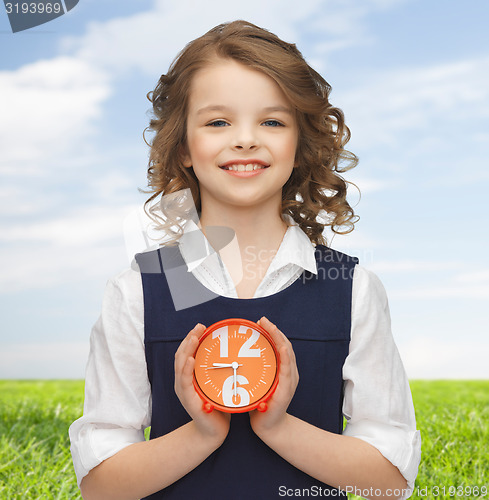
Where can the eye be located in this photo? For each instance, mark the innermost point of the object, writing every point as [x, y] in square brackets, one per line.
[217, 123]
[273, 123]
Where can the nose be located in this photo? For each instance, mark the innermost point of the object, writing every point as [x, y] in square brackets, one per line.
[245, 138]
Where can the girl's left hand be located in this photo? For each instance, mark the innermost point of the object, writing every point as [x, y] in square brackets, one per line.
[276, 412]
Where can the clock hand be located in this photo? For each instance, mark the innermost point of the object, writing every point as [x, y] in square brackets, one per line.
[222, 365]
[234, 366]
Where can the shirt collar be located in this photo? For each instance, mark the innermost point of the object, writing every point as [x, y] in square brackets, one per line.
[296, 248]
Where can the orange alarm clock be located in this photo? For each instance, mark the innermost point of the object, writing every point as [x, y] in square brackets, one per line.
[236, 366]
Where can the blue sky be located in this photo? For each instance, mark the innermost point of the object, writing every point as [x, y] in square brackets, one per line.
[413, 80]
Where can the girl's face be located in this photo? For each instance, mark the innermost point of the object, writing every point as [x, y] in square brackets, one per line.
[239, 119]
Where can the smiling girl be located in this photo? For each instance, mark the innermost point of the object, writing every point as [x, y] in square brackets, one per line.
[242, 151]
[245, 123]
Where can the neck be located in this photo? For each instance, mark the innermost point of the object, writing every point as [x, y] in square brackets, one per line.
[259, 228]
[259, 231]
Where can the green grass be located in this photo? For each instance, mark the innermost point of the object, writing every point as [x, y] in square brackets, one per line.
[35, 461]
[453, 417]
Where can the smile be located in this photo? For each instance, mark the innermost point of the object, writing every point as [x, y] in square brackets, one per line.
[244, 168]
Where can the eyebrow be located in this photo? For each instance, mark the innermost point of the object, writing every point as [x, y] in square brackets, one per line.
[218, 107]
[282, 109]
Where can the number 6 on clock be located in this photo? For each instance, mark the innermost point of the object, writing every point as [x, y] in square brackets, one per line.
[228, 392]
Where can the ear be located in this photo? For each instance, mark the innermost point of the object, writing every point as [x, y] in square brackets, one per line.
[185, 157]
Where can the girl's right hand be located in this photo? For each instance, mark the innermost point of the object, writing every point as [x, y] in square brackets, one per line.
[214, 425]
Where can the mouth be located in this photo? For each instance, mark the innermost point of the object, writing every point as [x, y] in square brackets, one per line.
[240, 167]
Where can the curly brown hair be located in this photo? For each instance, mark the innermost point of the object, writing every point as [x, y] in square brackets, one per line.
[315, 194]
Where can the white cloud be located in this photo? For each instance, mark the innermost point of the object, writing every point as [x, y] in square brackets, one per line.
[444, 291]
[43, 266]
[48, 108]
[414, 99]
[82, 244]
[9, 201]
[43, 360]
[411, 265]
[148, 41]
[367, 185]
[435, 279]
[479, 277]
[112, 185]
[89, 226]
[428, 358]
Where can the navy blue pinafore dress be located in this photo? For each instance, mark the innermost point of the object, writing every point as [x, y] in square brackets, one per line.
[314, 312]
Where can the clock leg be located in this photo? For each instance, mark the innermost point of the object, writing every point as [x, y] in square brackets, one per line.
[207, 407]
[262, 407]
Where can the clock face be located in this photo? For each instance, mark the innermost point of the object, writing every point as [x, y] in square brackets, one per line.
[236, 366]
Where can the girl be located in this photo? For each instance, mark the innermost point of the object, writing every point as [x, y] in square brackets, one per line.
[245, 124]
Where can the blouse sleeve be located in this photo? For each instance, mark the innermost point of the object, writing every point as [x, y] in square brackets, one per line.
[377, 400]
[117, 390]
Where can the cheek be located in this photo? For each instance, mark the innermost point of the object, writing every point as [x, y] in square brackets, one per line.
[292, 149]
[203, 147]
[286, 149]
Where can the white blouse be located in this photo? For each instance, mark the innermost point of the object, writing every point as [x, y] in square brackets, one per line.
[377, 399]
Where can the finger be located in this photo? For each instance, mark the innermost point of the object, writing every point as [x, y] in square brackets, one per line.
[188, 371]
[284, 362]
[184, 387]
[194, 334]
[284, 346]
[280, 338]
[188, 346]
[277, 335]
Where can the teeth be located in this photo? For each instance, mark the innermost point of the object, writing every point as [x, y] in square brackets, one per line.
[244, 168]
